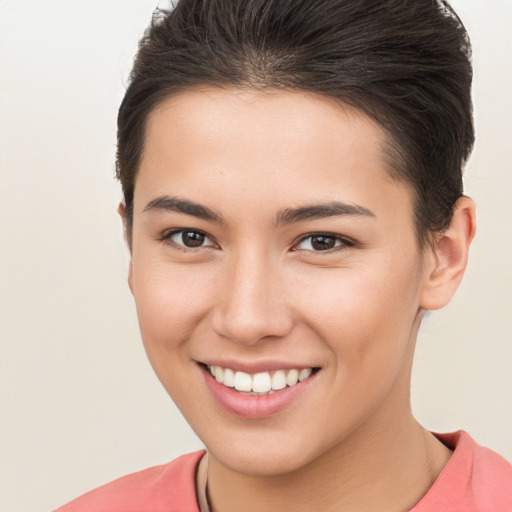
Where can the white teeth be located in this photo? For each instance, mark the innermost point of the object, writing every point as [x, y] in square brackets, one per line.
[278, 380]
[260, 383]
[292, 377]
[243, 381]
[304, 374]
[219, 374]
[229, 378]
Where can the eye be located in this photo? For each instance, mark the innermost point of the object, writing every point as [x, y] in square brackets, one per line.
[322, 242]
[189, 238]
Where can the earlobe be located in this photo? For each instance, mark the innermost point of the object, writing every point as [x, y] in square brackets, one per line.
[447, 259]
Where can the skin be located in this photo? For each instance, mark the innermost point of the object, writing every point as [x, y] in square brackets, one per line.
[259, 291]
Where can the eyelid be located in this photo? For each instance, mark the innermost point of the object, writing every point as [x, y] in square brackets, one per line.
[167, 235]
[345, 242]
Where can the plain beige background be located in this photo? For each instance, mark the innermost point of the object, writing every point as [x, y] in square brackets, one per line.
[79, 403]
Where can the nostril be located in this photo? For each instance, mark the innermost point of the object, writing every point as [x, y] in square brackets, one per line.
[251, 327]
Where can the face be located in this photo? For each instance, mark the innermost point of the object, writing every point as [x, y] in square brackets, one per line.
[270, 241]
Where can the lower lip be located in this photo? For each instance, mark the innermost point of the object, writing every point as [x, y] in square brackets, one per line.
[254, 406]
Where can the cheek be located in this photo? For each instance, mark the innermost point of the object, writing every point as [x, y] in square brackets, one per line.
[171, 299]
[172, 303]
[365, 316]
[367, 322]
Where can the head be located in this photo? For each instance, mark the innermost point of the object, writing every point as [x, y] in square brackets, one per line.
[293, 201]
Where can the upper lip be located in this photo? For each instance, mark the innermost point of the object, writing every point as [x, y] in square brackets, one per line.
[253, 367]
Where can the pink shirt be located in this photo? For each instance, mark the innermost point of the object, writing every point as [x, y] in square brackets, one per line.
[475, 479]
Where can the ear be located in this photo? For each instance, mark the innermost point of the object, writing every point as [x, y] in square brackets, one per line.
[446, 260]
[121, 210]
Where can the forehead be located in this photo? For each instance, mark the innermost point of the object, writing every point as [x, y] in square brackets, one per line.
[256, 146]
[270, 120]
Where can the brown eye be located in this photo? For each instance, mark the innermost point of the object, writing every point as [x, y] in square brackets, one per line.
[322, 242]
[189, 238]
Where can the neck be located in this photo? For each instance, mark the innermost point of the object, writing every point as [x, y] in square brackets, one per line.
[390, 471]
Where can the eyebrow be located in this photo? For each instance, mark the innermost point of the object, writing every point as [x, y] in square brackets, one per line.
[286, 216]
[179, 205]
[321, 211]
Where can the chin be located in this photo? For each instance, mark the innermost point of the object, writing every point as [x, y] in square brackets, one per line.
[261, 464]
[269, 458]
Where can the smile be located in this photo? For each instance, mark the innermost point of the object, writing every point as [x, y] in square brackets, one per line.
[260, 394]
[263, 383]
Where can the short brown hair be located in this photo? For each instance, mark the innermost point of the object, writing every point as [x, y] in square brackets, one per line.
[405, 63]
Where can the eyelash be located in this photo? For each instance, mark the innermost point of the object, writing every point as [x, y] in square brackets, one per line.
[167, 238]
[344, 242]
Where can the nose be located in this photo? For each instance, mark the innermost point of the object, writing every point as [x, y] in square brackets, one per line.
[252, 303]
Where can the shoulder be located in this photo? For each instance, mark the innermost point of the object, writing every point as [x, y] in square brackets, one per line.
[475, 479]
[169, 487]
[492, 477]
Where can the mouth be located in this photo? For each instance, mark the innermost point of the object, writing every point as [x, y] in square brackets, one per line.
[262, 383]
[257, 395]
